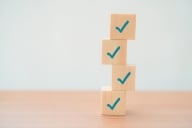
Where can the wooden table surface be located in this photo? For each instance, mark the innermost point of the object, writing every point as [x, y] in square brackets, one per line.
[81, 109]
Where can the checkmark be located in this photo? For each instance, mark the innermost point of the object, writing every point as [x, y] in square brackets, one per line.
[112, 55]
[122, 81]
[123, 27]
[114, 104]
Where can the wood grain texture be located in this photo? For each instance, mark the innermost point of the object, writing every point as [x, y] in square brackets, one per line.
[81, 109]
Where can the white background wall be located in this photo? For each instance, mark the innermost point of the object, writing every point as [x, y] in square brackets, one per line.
[56, 44]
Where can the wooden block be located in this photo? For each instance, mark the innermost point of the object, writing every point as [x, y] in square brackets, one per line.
[123, 26]
[113, 102]
[123, 78]
[114, 52]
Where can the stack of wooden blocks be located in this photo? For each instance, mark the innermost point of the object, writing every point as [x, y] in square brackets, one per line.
[114, 52]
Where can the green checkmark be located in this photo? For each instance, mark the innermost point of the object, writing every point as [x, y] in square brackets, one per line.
[123, 27]
[114, 104]
[125, 78]
[112, 55]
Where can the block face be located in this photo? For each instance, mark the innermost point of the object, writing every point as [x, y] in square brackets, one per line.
[114, 52]
[123, 26]
[123, 78]
[113, 102]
